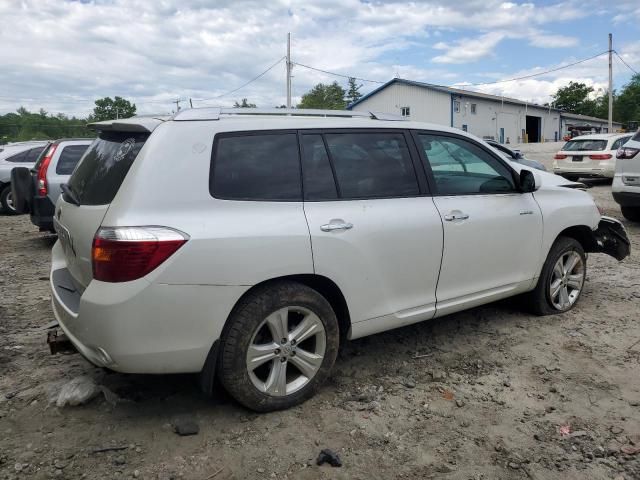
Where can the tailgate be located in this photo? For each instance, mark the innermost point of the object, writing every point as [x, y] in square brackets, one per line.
[90, 191]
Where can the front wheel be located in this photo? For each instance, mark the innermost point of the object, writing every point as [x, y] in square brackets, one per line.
[631, 213]
[6, 200]
[279, 346]
[561, 280]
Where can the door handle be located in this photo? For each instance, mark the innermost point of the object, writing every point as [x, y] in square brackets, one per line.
[450, 217]
[330, 227]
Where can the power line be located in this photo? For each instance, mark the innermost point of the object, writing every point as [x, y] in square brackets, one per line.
[539, 73]
[243, 85]
[336, 74]
[627, 65]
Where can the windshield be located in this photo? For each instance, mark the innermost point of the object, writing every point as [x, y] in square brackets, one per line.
[584, 145]
[102, 169]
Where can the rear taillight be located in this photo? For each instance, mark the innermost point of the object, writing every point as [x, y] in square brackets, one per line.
[42, 170]
[560, 156]
[122, 254]
[624, 153]
[601, 156]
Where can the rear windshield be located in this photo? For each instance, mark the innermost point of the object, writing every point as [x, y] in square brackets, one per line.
[584, 145]
[69, 158]
[98, 176]
[636, 137]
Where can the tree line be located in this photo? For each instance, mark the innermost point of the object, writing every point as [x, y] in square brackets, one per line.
[575, 98]
[582, 99]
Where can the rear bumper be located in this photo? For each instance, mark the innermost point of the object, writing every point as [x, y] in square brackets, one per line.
[627, 199]
[140, 327]
[605, 169]
[42, 210]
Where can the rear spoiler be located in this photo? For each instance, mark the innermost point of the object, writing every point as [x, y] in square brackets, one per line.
[133, 124]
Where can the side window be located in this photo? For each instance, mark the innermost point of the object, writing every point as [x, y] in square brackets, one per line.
[317, 176]
[69, 158]
[620, 142]
[462, 168]
[18, 157]
[33, 154]
[256, 167]
[372, 165]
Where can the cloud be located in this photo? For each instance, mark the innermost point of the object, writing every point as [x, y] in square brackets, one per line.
[62, 55]
[547, 40]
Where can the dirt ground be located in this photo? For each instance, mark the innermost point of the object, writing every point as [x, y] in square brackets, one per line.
[483, 394]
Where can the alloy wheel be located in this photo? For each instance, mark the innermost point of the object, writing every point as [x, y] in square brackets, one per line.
[286, 351]
[9, 200]
[567, 279]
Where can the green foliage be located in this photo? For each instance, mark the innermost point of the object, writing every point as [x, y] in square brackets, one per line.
[574, 98]
[244, 104]
[328, 97]
[110, 109]
[627, 106]
[24, 125]
[353, 91]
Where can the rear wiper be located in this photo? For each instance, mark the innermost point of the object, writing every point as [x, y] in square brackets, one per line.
[66, 189]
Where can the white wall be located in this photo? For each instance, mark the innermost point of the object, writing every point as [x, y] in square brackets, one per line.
[433, 106]
[491, 115]
[426, 105]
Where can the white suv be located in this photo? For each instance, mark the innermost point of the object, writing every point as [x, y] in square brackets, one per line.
[246, 244]
[626, 183]
[590, 156]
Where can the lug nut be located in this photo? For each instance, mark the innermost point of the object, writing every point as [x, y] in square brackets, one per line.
[284, 340]
[283, 359]
[277, 351]
[293, 342]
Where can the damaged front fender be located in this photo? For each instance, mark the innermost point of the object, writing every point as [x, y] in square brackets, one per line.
[611, 238]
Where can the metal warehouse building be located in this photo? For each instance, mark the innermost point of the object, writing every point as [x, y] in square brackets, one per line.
[507, 120]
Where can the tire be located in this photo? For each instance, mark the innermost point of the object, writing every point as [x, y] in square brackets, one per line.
[541, 300]
[6, 200]
[256, 321]
[631, 213]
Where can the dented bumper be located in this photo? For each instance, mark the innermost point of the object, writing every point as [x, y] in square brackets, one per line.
[611, 238]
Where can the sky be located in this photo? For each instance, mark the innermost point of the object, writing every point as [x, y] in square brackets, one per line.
[61, 55]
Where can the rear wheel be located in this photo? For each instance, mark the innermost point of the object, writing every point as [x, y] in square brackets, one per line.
[631, 213]
[561, 280]
[572, 178]
[279, 346]
[6, 200]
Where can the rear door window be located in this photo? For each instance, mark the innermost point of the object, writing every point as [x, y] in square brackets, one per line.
[372, 165]
[264, 166]
[97, 179]
[18, 157]
[620, 142]
[317, 175]
[69, 158]
[33, 154]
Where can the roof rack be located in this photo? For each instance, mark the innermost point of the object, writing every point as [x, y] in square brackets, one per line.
[214, 113]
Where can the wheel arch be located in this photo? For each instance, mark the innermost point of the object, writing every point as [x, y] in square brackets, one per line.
[582, 234]
[323, 285]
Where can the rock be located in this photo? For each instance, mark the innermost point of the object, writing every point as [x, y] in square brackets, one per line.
[438, 375]
[329, 456]
[460, 403]
[409, 383]
[514, 465]
[553, 389]
[185, 425]
[136, 473]
[507, 383]
[260, 470]
[616, 430]
[550, 409]
[59, 464]
[119, 460]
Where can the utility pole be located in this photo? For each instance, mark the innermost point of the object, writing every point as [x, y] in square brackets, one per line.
[610, 84]
[117, 113]
[177, 102]
[289, 70]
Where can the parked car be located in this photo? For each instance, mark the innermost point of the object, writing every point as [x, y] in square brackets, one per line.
[36, 190]
[246, 244]
[516, 155]
[15, 155]
[626, 182]
[589, 156]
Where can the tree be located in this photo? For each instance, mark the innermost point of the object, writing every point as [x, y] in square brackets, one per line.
[329, 97]
[353, 91]
[574, 98]
[244, 104]
[627, 104]
[109, 109]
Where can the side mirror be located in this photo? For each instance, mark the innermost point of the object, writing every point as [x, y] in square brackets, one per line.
[528, 181]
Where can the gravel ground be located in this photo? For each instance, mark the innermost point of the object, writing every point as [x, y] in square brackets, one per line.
[491, 393]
